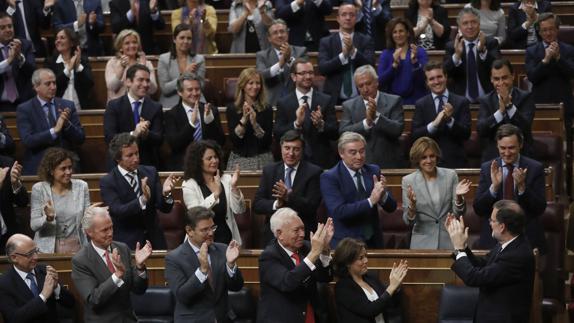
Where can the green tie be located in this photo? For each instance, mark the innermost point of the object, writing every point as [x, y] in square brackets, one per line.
[348, 80]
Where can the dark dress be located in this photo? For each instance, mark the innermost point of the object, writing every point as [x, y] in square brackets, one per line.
[223, 233]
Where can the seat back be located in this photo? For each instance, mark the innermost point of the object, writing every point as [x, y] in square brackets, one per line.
[457, 304]
[173, 225]
[243, 305]
[155, 305]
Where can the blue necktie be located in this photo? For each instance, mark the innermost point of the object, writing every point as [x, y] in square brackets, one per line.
[136, 110]
[33, 286]
[440, 103]
[288, 182]
[368, 15]
[471, 74]
[49, 115]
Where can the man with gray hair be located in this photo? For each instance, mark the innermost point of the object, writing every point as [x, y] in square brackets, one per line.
[352, 191]
[46, 121]
[290, 267]
[103, 272]
[377, 116]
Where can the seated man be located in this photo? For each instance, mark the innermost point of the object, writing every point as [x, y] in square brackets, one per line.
[288, 282]
[47, 121]
[291, 182]
[200, 271]
[21, 299]
[12, 192]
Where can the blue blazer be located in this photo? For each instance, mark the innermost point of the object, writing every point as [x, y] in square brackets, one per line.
[65, 15]
[35, 131]
[349, 214]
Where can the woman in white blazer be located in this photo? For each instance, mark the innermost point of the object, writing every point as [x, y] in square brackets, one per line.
[429, 194]
[205, 186]
[58, 203]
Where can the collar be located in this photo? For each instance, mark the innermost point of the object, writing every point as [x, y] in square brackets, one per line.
[42, 102]
[99, 250]
[300, 94]
[294, 167]
[515, 164]
[195, 249]
[23, 274]
[341, 35]
[132, 99]
[60, 59]
[352, 172]
[289, 252]
[475, 42]
[278, 52]
[504, 245]
[376, 99]
[521, 6]
[186, 107]
[445, 94]
[124, 171]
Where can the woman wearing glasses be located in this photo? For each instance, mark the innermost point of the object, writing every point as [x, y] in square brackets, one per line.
[206, 185]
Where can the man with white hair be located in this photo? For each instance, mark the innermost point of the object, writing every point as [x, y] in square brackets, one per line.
[103, 273]
[290, 267]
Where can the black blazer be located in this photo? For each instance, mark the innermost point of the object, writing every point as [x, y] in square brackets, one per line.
[505, 279]
[131, 223]
[309, 18]
[518, 36]
[321, 153]
[440, 15]
[286, 289]
[83, 81]
[378, 24]
[450, 140]
[119, 118]
[353, 306]
[7, 201]
[22, 74]
[487, 125]
[250, 145]
[35, 20]
[18, 304]
[179, 133]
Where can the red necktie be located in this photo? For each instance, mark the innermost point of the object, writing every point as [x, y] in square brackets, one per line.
[509, 183]
[109, 262]
[310, 316]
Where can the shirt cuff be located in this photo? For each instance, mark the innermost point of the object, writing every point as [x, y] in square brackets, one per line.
[344, 60]
[57, 292]
[200, 275]
[117, 281]
[142, 201]
[366, 125]
[76, 26]
[492, 193]
[385, 197]
[483, 55]
[511, 111]
[130, 16]
[450, 123]
[4, 65]
[53, 133]
[524, 26]
[80, 68]
[274, 207]
[370, 202]
[498, 116]
[353, 54]
[309, 264]
[460, 255]
[209, 118]
[294, 6]
[295, 125]
[317, 2]
[431, 128]
[155, 16]
[455, 61]
[275, 70]
[231, 271]
[10, 11]
[42, 298]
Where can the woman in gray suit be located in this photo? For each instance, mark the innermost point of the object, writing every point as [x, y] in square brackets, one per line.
[248, 22]
[178, 60]
[429, 194]
[58, 204]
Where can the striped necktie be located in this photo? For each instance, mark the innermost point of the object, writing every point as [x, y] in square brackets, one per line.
[132, 180]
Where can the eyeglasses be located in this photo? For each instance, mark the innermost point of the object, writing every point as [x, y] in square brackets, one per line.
[206, 230]
[311, 73]
[29, 254]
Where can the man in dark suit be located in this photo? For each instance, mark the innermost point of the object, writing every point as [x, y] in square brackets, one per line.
[138, 114]
[46, 121]
[305, 19]
[512, 177]
[377, 116]
[21, 299]
[443, 116]
[352, 192]
[7, 146]
[372, 18]
[87, 21]
[311, 113]
[103, 273]
[17, 63]
[29, 17]
[341, 53]
[274, 63]
[292, 183]
[11, 192]
[505, 276]
[200, 271]
[142, 16]
[289, 269]
[505, 104]
[133, 193]
[190, 120]
[468, 58]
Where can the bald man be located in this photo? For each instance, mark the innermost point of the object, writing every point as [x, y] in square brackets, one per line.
[29, 291]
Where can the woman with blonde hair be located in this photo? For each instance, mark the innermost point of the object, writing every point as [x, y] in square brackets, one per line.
[203, 21]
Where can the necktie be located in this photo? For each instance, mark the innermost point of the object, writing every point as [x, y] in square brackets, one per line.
[471, 74]
[136, 111]
[307, 121]
[440, 103]
[197, 136]
[109, 262]
[310, 315]
[368, 15]
[348, 80]
[132, 180]
[509, 183]
[9, 82]
[33, 286]
[288, 182]
[49, 115]
[20, 22]
[361, 195]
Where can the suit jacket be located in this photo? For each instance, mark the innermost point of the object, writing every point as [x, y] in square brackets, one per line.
[351, 214]
[119, 117]
[145, 25]
[168, 73]
[197, 301]
[309, 18]
[450, 139]
[353, 306]
[330, 65]
[7, 147]
[505, 279]
[384, 136]
[18, 304]
[65, 15]
[286, 289]
[103, 300]
[487, 124]
[532, 201]
[35, 131]
[304, 198]
[131, 223]
[281, 83]
[179, 133]
[429, 231]
[35, 21]
[7, 200]
[22, 74]
[440, 15]
[83, 81]
[457, 74]
[319, 149]
[518, 36]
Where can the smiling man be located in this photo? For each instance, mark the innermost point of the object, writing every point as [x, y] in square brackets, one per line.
[512, 176]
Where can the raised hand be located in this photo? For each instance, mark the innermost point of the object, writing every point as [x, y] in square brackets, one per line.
[300, 115]
[448, 111]
[64, 116]
[82, 19]
[280, 192]
[347, 44]
[329, 233]
[495, 176]
[519, 175]
[458, 46]
[412, 203]
[207, 110]
[142, 254]
[457, 231]
[92, 18]
[317, 242]
[397, 56]
[377, 192]
[414, 59]
[145, 189]
[49, 211]
[153, 6]
[317, 118]
[49, 285]
[232, 253]
[463, 187]
[371, 111]
[398, 273]
[52, 272]
[216, 184]
[118, 263]
[202, 257]
[169, 184]
[253, 117]
[3, 173]
[481, 42]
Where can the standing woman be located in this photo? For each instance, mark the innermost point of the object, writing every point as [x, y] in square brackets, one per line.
[401, 64]
[248, 22]
[74, 80]
[432, 29]
[429, 194]
[492, 18]
[203, 21]
[250, 122]
[522, 19]
[58, 203]
[206, 185]
[180, 59]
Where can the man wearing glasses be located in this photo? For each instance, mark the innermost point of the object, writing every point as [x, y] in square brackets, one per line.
[29, 291]
[200, 271]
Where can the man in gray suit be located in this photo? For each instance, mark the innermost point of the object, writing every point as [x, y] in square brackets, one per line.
[275, 62]
[200, 272]
[103, 272]
[378, 117]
